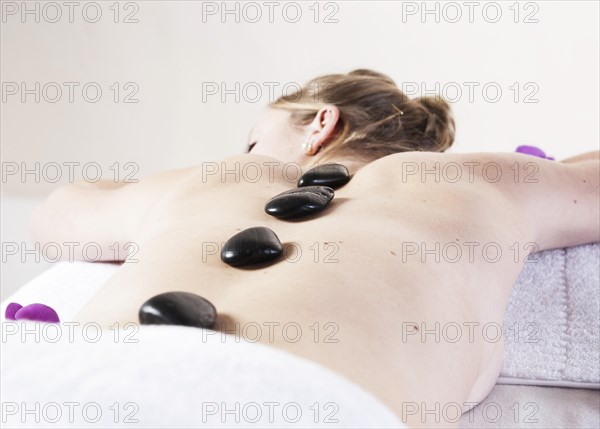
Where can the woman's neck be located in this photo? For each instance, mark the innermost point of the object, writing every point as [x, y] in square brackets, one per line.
[352, 164]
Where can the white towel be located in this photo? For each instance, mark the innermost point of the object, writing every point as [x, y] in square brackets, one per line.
[552, 323]
[172, 377]
[534, 407]
[551, 329]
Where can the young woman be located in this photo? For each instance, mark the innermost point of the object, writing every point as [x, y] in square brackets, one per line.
[392, 284]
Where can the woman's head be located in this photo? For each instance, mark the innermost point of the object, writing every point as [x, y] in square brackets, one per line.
[361, 115]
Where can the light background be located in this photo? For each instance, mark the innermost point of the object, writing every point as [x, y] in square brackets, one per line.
[174, 49]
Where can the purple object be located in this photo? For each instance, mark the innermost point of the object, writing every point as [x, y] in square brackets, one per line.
[37, 312]
[11, 310]
[533, 151]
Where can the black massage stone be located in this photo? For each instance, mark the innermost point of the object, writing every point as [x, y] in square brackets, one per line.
[332, 175]
[252, 246]
[178, 308]
[299, 202]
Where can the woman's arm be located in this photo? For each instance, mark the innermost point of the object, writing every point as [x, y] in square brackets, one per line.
[588, 156]
[91, 216]
[560, 200]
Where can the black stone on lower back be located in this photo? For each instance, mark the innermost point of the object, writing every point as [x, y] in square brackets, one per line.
[332, 175]
[299, 202]
[252, 246]
[178, 308]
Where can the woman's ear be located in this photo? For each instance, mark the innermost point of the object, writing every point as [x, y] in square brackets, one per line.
[322, 128]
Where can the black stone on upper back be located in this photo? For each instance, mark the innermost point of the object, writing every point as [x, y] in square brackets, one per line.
[299, 202]
[332, 175]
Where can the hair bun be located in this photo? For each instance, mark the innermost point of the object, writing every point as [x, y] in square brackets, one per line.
[439, 128]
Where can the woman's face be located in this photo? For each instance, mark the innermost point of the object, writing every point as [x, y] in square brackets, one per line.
[274, 135]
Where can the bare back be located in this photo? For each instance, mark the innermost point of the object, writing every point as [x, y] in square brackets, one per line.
[395, 254]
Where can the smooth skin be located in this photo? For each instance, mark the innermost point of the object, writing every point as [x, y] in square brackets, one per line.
[377, 283]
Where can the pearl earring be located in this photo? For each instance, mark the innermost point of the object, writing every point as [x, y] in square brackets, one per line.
[307, 147]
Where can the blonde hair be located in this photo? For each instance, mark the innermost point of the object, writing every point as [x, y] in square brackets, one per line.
[376, 117]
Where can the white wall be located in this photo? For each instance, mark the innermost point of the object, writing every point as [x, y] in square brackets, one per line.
[20, 259]
[171, 53]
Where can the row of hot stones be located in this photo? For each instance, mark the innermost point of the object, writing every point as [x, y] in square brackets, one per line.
[255, 246]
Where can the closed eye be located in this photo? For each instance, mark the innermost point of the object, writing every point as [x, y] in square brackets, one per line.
[251, 146]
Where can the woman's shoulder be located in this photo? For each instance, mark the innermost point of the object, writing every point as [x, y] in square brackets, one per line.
[468, 168]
